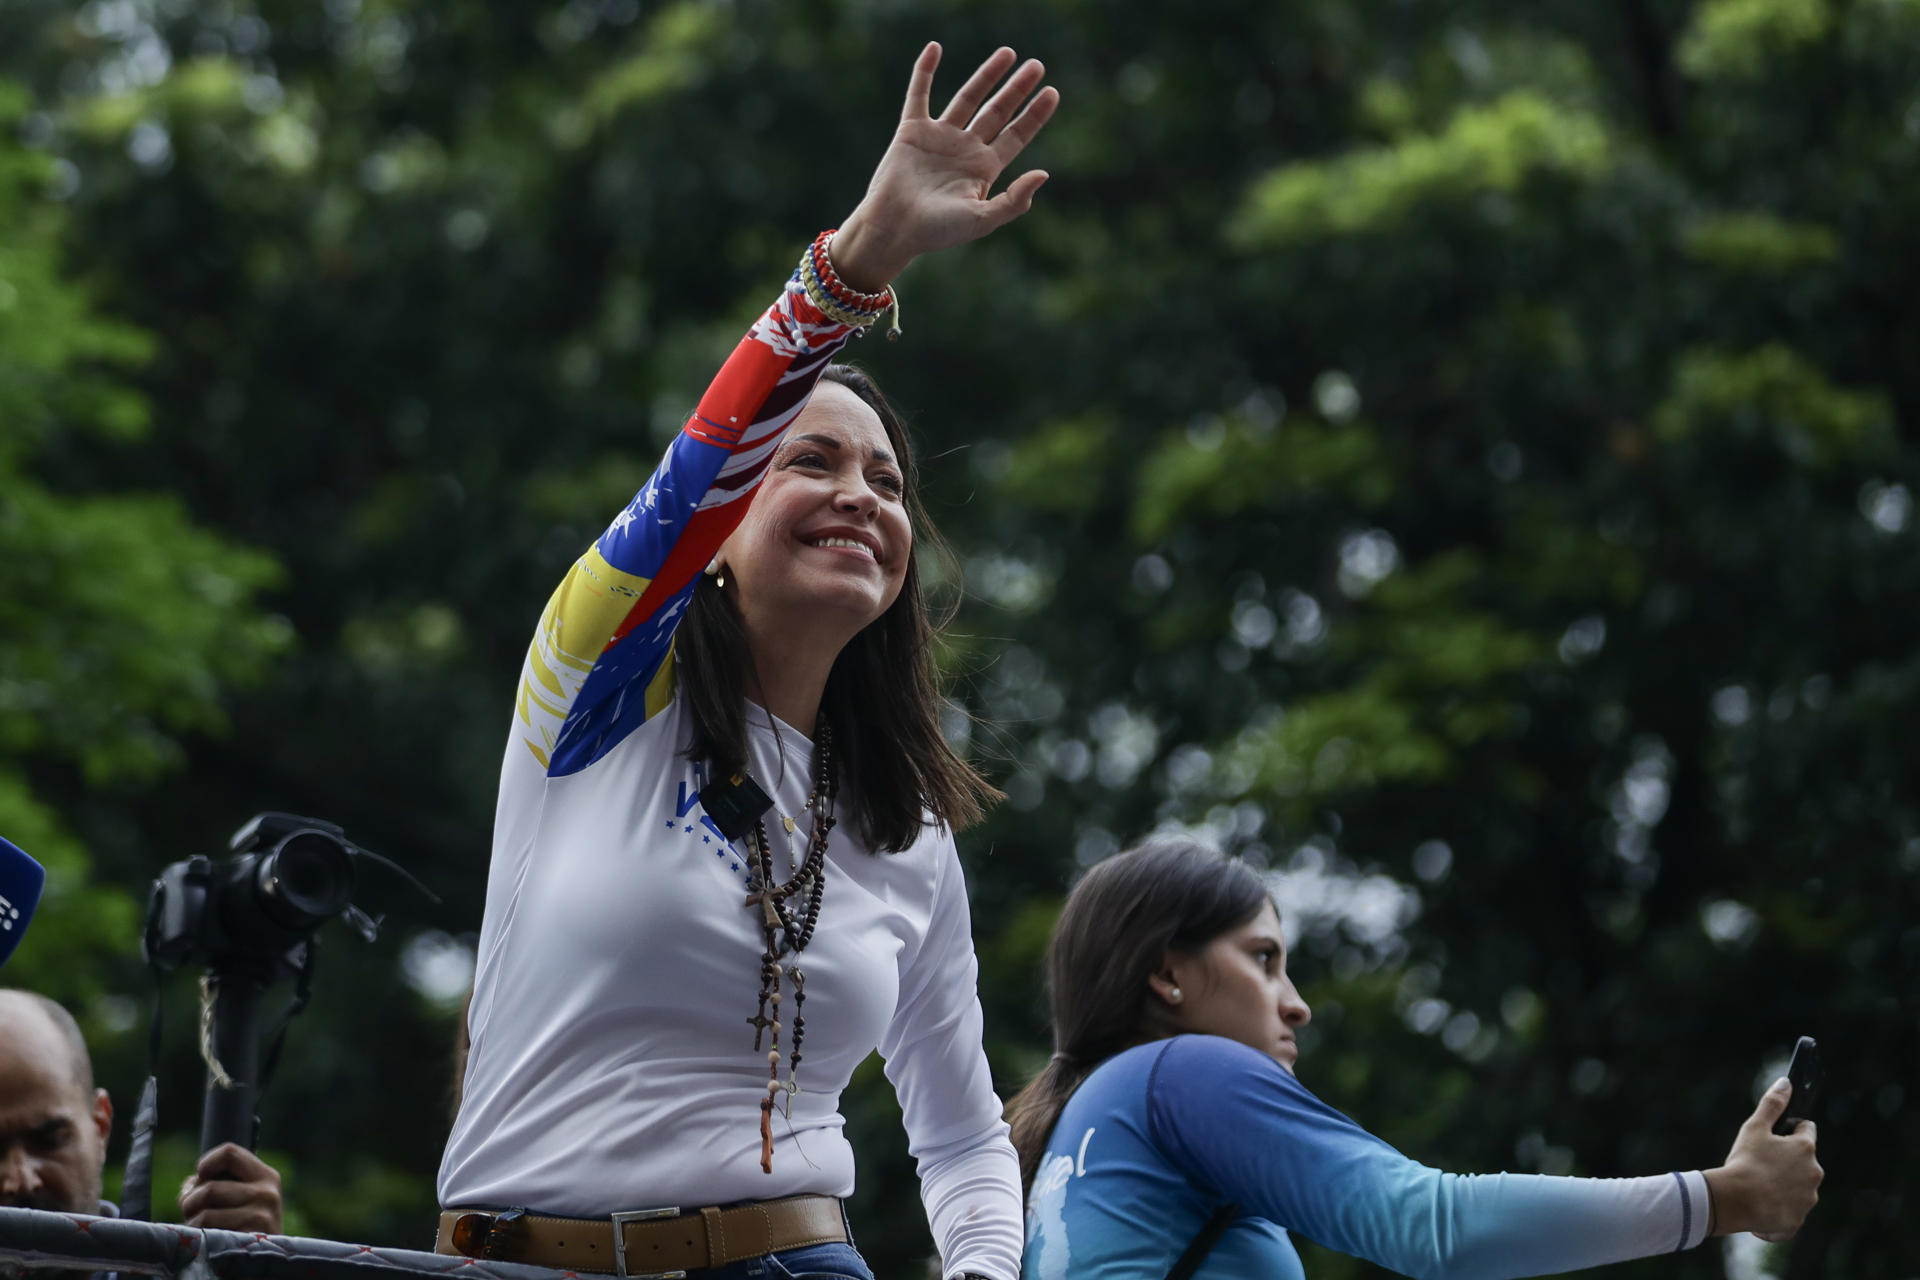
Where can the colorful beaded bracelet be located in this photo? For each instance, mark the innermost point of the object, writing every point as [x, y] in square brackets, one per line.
[824, 303]
[837, 300]
[843, 293]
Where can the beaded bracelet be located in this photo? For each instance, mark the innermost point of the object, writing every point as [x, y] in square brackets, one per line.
[839, 301]
[830, 279]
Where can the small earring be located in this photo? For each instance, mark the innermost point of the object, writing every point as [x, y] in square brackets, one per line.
[1173, 996]
[717, 571]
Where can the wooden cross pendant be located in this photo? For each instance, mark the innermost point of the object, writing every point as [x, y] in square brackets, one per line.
[769, 908]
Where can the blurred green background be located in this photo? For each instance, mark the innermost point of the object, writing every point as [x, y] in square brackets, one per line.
[1459, 456]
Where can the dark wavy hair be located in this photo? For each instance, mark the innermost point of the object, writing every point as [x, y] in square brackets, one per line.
[1168, 895]
[882, 696]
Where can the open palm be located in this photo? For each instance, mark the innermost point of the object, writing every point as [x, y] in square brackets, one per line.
[933, 187]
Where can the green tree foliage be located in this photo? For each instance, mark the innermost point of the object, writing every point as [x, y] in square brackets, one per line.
[120, 620]
[1459, 455]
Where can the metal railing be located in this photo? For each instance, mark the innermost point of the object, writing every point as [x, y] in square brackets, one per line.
[35, 1242]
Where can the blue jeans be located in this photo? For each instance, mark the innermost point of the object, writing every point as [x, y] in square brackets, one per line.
[815, 1262]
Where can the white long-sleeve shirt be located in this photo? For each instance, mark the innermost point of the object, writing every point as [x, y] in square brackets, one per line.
[612, 1065]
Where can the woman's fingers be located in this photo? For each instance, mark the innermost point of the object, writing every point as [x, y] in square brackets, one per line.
[1014, 138]
[919, 105]
[1014, 201]
[930, 189]
[990, 119]
[966, 103]
[1770, 1182]
[1772, 1103]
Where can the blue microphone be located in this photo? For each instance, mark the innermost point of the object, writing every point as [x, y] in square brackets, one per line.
[20, 881]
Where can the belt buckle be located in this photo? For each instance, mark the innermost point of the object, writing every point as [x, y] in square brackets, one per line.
[620, 1221]
[492, 1236]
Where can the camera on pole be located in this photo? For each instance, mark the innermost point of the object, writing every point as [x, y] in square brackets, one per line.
[249, 921]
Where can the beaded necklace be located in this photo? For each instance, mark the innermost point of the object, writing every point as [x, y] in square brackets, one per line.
[787, 931]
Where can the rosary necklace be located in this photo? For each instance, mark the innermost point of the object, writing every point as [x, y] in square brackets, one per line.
[788, 914]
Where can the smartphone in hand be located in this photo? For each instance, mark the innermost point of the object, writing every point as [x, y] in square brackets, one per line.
[1803, 1073]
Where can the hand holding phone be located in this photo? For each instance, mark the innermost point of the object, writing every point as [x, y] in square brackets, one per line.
[1803, 1073]
[1768, 1187]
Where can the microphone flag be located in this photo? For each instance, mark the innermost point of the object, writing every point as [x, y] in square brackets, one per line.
[21, 879]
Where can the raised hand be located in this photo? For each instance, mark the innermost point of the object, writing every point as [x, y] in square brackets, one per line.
[1770, 1181]
[932, 189]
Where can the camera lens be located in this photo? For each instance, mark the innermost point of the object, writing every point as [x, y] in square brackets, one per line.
[308, 879]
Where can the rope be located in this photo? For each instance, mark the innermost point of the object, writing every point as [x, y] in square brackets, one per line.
[219, 1073]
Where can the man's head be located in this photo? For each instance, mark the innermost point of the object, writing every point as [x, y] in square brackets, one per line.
[53, 1122]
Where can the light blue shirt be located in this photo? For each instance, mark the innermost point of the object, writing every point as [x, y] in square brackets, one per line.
[1162, 1135]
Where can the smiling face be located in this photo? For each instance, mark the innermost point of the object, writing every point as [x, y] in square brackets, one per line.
[827, 540]
[1237, 986]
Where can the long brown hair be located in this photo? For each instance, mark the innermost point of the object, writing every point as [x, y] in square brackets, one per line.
[1118, 924]
[882, 697]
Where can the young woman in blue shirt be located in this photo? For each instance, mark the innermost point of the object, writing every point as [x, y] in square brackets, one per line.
[1170, 1115]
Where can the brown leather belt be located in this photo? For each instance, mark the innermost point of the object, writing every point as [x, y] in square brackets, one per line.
[646, 1242]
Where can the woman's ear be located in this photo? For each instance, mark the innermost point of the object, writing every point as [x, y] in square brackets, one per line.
[1164, 982]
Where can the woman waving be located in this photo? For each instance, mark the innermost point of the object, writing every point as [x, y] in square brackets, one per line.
[723, 863]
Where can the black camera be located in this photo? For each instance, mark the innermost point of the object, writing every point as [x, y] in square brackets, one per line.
[256, 911]
[247, 921]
